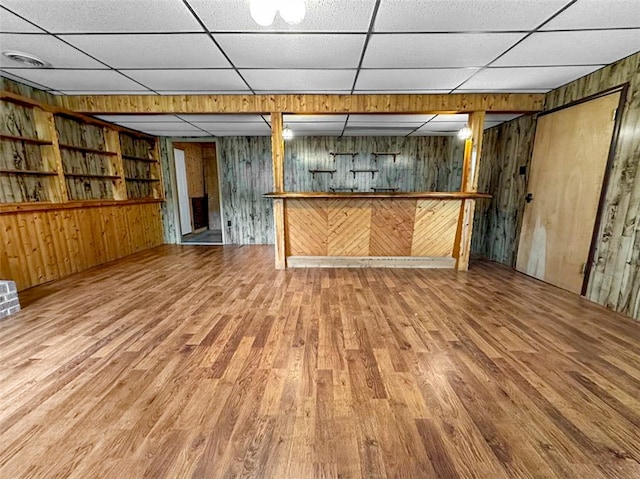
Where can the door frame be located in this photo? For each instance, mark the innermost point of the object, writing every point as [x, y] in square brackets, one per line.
[623, 89]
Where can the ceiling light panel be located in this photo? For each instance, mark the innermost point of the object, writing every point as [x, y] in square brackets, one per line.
[73, 16]
[414, 80]
[597, 13]
[299, 80]
[152, 51]
[97, 81]
[14, 24]
[436, 50]
[292, 51]
[573, 48]
[526, 79]
[325, 15]
[468, 15]
[201, 80]
[47, 48]
[231, 118]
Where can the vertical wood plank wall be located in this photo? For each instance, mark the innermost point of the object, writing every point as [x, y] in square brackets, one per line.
[430, 163]
[615, 276]
[168, 210]
[40, 246]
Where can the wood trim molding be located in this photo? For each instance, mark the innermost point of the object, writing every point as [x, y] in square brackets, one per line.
[441, 195]
[307, 103]
[369, 262]
[9, 208]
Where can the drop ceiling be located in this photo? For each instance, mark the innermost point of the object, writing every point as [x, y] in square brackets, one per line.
[160, 47]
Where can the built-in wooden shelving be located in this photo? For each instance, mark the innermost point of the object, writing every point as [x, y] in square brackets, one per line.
[84, 149]
[51, 156]
[28, 172]
[24, 139]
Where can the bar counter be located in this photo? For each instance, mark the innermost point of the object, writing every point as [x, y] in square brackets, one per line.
[375, 229]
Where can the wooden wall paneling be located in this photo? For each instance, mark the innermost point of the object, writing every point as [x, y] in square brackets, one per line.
[424, 163]
[50, 244]
[349, 227]
[435, 227]
[497, 223]
[277, 155]
[52, 160]
[26, 91]
[306, 103]
[306, 227]
[210, 160]
[169, 208]
[246, 175]
[392, 226]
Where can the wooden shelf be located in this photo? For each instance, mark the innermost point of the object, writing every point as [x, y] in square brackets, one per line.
[384, 189]
[138, 158]
[91, 175]
[343, 188]
[373, 172]
[131, 178]
[376, 154]
[29, 172]
[87, 150]
[35, 141]
[8, 208]
[352, 154]
[315, 172]
[442, 195]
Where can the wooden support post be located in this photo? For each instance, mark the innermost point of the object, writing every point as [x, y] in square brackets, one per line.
[470, 170]
[46, 128]
[277, 156]
[156, 171]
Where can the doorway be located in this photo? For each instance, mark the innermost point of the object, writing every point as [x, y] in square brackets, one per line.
[568, 170]
[198, 193]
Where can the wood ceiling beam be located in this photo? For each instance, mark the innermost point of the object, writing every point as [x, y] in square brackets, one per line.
[305, 104]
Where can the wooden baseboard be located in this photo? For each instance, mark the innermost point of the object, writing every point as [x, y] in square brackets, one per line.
[369, 262]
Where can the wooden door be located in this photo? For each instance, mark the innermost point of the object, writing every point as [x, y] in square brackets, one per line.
[569, 161]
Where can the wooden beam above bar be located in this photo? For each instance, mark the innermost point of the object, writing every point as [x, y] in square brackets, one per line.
[305, 103]
[440, 195]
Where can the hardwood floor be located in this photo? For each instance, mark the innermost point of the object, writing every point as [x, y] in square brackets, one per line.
[188, 361]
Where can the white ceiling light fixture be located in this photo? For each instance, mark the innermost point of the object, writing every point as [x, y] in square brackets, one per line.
[26, 59]
[465, 133]
[264, 12]
[287, 134]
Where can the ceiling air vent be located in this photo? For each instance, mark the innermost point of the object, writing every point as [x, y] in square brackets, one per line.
[26, 59]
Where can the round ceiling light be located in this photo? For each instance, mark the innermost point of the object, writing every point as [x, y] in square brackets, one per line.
[26, 59]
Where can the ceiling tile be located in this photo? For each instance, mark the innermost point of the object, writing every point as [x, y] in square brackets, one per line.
[325, 15]
[377, 132]
[219, 128]
[443, 126]
[139, 118]
[501, 117]
[67, 16]
[383, 118]
[181, 50]
[337, 132]
[463, 16]
[299, 80]
[315, 118]
[456, 118]
[47, 48]
[106, 92]
[573, 48]
[20, 79]
[436, 50]
[180, 126]
[433, 133]
[413, 80]
[180, 134]
[81, 80]
[526, 79]
[226, 118]
[317, 127]
[292, 51]
[12, 23]
[205, 80]
[597, 14]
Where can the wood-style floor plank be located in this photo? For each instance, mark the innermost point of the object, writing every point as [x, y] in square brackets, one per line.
[205, 362]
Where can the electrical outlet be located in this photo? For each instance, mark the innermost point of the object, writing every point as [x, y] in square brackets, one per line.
[523, 170]
[229, 223]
